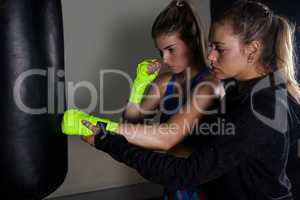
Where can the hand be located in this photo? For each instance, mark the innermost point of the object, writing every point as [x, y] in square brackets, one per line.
[95, 129]
[154, 66]
[88, 139]
[147, 71]
[72, 125]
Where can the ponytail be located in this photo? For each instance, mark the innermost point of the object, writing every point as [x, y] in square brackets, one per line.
[285, 55]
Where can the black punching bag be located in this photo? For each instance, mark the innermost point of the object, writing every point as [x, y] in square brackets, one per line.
[33, 152]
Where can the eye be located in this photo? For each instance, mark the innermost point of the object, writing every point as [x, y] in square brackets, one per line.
[172, 50]
[220, 50]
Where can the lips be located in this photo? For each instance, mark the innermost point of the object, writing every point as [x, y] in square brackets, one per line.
[216, 69]
[212, 67]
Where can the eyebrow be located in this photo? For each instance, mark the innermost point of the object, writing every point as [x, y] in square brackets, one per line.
[171, 45]
[218, 43]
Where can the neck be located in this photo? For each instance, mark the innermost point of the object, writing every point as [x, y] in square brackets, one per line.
[252, 73]
[189, 73]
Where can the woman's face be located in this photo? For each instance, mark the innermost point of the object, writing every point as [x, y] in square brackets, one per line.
[174, 52]
[227, 55]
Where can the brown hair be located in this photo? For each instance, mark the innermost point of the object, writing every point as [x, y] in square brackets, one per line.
[255, 21]
[179, 17]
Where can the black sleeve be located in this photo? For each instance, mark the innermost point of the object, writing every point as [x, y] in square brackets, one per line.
[207, 162]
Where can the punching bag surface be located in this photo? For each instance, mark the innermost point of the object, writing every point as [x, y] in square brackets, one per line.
[33, 152]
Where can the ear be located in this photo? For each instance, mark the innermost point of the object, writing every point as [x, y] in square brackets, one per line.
[252, 49]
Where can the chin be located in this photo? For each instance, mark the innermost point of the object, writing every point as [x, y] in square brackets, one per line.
[177, 72]
[220, 76]
[216, 75]
[174, 71]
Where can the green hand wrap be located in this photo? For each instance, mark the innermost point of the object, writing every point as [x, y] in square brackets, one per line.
[142, 81]
[72, 123]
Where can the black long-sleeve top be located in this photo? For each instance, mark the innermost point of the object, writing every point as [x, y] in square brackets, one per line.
[243, 157]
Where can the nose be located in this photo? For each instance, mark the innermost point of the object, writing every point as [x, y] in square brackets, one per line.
[212, 56]
[165, 59]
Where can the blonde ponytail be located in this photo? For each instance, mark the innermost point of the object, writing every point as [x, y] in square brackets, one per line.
[285, 55]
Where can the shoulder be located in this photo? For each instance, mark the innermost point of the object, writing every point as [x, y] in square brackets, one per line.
[209, 85]
[263, 109]
[268, 98]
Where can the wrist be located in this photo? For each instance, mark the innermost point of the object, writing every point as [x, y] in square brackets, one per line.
[107, 124]
[137, 92]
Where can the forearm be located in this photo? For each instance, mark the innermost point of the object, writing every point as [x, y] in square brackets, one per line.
[155, 136]
[165, 136]
[201, 166]
[146, 162]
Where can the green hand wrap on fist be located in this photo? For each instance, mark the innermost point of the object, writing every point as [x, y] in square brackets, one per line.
[72, 123]
[142, 81]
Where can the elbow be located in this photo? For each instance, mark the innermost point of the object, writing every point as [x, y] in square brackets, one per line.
[131, 117]
[126, 116]
[167, 148]
[165, 145]
[166, 141]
